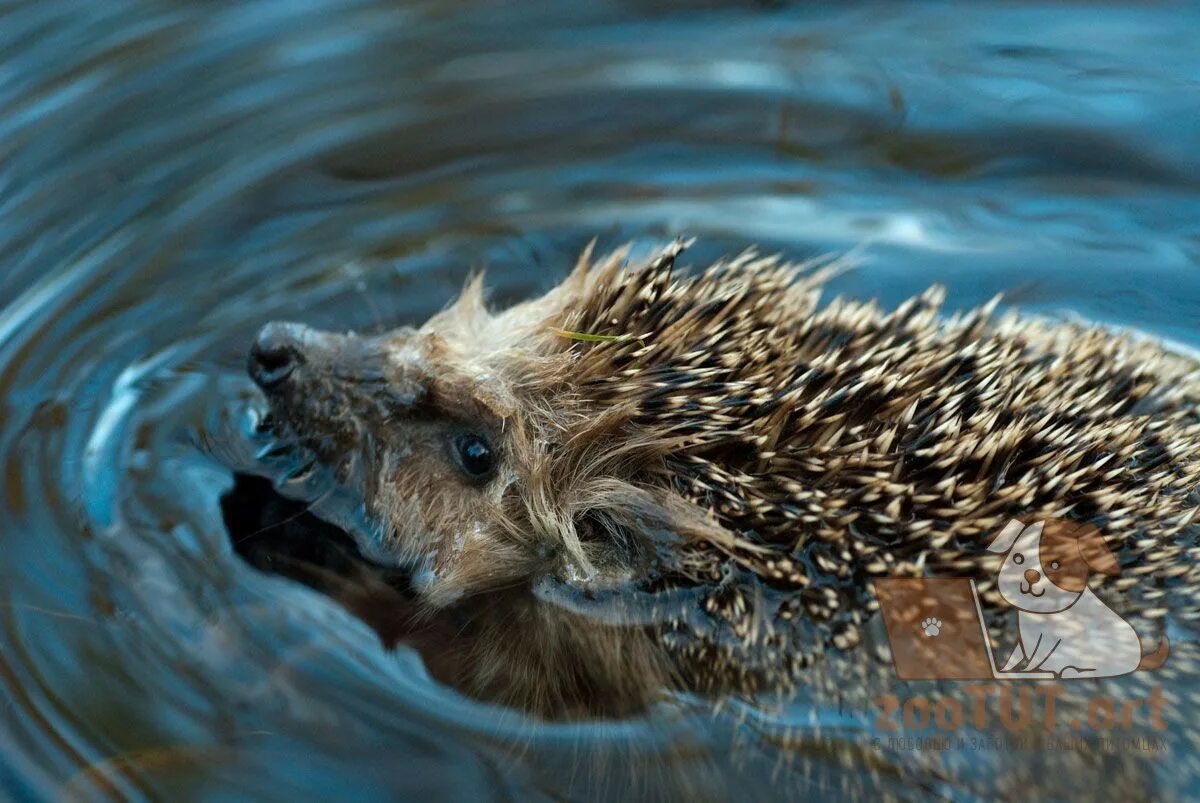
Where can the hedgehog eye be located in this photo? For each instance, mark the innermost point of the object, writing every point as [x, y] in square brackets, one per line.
[475, 455]
[1053, 564]
[1018, 558]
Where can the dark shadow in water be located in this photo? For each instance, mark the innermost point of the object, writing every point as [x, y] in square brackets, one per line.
[279, 536]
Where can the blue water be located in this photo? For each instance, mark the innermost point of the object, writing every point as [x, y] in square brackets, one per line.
[174, 174]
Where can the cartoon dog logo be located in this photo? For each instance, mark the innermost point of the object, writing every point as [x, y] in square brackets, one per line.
[1064, 627]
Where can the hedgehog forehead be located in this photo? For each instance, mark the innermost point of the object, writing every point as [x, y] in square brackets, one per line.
[471, 363]
[467, 332]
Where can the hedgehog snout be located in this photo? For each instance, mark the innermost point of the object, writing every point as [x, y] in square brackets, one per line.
[275, 353]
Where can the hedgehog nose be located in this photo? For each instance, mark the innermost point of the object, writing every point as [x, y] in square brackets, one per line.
[1032, 576]
[275, 354]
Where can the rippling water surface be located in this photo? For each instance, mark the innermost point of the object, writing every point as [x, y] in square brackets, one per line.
[174, 174]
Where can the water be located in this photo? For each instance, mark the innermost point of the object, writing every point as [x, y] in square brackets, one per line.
[174, 174]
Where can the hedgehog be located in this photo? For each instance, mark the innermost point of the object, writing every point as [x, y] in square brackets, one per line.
[652, 479]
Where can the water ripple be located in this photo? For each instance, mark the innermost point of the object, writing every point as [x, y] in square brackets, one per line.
[174, 174]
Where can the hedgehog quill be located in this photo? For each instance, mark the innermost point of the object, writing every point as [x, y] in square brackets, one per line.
[651, 479]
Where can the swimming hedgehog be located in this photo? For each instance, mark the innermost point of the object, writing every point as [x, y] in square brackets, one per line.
[651, 479]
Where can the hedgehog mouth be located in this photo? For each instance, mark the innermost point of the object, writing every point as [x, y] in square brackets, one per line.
[300, 470]
[305, 450]
[1027, 589]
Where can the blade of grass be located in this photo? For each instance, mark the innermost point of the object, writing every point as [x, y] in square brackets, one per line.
[585, 337]
[589, 338]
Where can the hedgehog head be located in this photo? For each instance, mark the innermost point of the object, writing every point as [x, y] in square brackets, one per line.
[497, 449]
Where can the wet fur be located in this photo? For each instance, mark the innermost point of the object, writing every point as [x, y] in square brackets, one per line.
[725, 441]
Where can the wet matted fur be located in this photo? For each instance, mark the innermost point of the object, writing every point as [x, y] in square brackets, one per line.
[698, 473]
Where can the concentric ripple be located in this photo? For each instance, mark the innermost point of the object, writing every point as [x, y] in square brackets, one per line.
[174, 174]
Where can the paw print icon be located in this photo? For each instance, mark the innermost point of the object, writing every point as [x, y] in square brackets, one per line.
[931, 626]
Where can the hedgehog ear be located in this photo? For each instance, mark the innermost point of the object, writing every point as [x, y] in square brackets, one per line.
[1095, 551]
[1007, 537]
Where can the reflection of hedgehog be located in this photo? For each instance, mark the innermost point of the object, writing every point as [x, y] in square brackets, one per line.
[642, 480]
